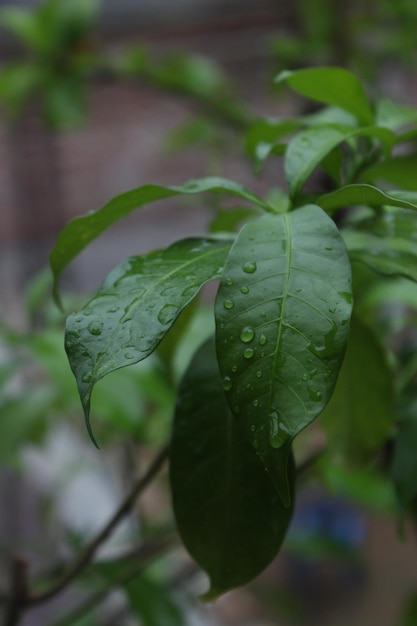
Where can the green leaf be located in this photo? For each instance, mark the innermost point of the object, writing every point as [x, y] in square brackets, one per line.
[282, 318]
[136, 306]
[409, 617]
[79, 232]
[351, 195]
[309, 147]
[228, 512]
[334, 86]
[399, 171]
[153, 603]
[364, 485]
[391, 256]
[263, 134]
[394, 115]
[21, 23]
[404, 464]
[359, 417]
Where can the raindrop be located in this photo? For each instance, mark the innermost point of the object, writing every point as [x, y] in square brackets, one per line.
[244, 290]
[95, 328]
[234, 368]
[247, 334]
[252, 428]
[259, 374]
[229, 281]
[228, 304]
[315, 395]
[113, 309]
[255, 403]
[128, 356]
[222, 325]
[249, 267]
[304, 377]
[87, 378]
[167, 314]
[227, 383]
[262, 340]
[248, 353]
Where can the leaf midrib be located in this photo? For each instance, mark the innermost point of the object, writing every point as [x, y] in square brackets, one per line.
[283, 307]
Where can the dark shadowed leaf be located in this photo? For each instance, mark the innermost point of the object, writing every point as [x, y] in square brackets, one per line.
[334, 86]
[404, 464]
[228, 512]
[359, 417]
[79, 232]
[136, 306]
[282, 320]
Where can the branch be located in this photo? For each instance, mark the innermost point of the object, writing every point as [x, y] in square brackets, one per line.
[90, 549]
[136, 562]
[18, 592]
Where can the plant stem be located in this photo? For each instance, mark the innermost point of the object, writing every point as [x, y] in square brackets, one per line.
[18, 592]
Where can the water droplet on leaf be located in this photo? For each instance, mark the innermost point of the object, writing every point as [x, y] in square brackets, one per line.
[247, 334]
[227, 383]
[228, 304]
[244, 290]
[95, 328]
[249, 267]
[262, 340]
[248, 353]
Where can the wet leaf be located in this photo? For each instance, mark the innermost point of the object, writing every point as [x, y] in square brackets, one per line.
[136, 306]
[228, 512]
[282, 320]
[81, 231]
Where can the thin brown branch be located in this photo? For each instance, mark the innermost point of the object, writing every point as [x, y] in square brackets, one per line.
[18, 592]
[90, 549]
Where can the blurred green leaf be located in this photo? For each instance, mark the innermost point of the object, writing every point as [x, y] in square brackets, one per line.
[359, 418]
[399, 171]
[360, 194]
[404, 463]
[334, 86]
[309, 147]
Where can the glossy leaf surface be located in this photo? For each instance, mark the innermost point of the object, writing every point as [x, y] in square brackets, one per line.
[136, 306]
[282, 320]
[81, 231]
[361, 194]
[359, 417]
[334, 86]
[309, 147]
[228, 512]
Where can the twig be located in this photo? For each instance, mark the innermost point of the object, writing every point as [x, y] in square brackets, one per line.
[89, 551]
[142, 557]
[18, 592]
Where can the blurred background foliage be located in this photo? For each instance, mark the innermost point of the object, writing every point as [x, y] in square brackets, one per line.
[214, 66]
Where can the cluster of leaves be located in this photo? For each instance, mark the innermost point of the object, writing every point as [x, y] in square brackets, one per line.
[361, 35]
[56, 37]
[286, 348]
